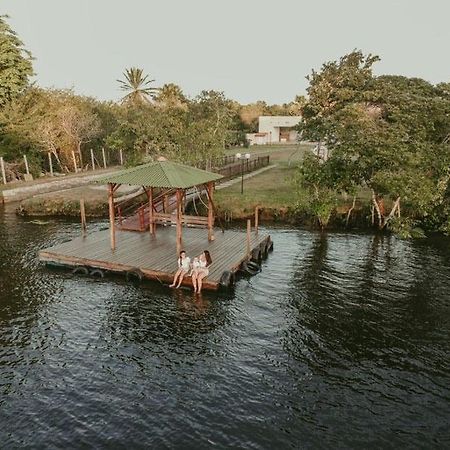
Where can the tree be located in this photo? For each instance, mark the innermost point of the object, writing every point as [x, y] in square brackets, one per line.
[78, 124]
[15, 64]
[138, 87]
[171, 95]
[384, 133]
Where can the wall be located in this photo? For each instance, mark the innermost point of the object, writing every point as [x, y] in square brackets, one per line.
[271, 125]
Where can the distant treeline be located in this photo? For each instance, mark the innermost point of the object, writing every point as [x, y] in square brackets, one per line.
[148, 120]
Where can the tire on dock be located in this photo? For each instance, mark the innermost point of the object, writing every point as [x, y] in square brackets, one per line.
[227, 279]
[256, 255]
[270, 245]
[134, 275]
[250, 268]
[80, 270]
[264, 247]
[97, 273]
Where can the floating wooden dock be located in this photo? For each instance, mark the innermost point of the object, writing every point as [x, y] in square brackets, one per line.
[143, 255]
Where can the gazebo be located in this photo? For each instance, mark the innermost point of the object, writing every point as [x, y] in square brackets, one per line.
[163, 175]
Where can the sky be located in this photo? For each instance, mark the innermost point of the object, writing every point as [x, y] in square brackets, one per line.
[249, 49]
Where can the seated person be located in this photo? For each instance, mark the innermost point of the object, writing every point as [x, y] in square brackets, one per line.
[183, 268]
[201, 270]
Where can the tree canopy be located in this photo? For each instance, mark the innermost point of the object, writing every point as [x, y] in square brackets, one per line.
[138, 87]
[388, 134]
[15, 64]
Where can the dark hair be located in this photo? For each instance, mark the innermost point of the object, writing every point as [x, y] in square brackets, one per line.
[208, 258]
[182, 251]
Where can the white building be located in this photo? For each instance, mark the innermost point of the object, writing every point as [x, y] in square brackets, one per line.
[275, 129]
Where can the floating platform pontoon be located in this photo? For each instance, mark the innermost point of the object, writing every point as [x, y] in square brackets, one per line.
[143, 255]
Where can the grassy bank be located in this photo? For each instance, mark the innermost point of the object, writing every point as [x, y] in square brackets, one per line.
[273, 192]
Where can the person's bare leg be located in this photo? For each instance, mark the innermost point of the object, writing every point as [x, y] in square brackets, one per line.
[200, 282]
[175, 278]
[180, 279]
[194, 281]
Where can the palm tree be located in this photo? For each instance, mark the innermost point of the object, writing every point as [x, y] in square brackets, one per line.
[138, 87]
[171, 95]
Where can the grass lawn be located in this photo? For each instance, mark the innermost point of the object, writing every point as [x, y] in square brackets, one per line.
[271, 189]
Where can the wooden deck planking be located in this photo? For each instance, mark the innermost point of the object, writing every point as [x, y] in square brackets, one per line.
[154, 255]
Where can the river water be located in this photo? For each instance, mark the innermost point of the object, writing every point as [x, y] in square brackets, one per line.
[343, 341]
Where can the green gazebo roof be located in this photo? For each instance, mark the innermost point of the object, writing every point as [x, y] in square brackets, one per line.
[162, 174]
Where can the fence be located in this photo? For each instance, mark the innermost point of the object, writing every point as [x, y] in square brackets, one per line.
[228, 166]
[243, 166]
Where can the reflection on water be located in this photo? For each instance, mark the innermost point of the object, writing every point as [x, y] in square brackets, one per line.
[341, 341]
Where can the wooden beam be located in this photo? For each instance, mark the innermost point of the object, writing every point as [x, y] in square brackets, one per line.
[2, 167]
[256, 219]
[121, 157]
[83, 217]
[210, 191]
[249, 237]
[111, 216]
[151, 219]
[179, 220]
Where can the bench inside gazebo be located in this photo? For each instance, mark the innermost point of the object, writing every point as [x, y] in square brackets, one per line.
[153, 254]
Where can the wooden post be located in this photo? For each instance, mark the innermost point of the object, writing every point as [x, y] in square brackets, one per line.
[50, 163]
[151, 221]
[83, 217]
[92, 159]
[210, 191]
[111, 216]
[256, 219]
[2, 166]
[249, 229]
[26, 164]
[74, 162]
[179, 218]
[104, 157]
[121, 157]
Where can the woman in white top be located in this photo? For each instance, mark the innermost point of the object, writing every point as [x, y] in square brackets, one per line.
[201, 271]
[184, 263]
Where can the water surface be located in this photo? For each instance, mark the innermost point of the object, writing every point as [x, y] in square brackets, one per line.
[342, 341]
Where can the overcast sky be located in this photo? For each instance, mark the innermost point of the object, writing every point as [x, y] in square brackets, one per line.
[250, 49]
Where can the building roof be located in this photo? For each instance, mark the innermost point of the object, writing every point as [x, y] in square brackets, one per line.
[162, 174]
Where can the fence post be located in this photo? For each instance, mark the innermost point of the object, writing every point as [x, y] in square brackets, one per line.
[83, 217]
[50, 163]
[92, 159]
[249, 229]
[26, 164]
[121, 157]
[2, 164]
[104, 157]
[256, 219]
[74, 162]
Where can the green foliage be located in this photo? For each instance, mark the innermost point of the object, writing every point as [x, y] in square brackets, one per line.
[316, 189]
[388, 133]
[15, 64]
[137, 86]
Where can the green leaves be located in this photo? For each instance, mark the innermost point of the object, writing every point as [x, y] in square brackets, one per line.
[138, 87]
[15, 64]
[388, 133]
